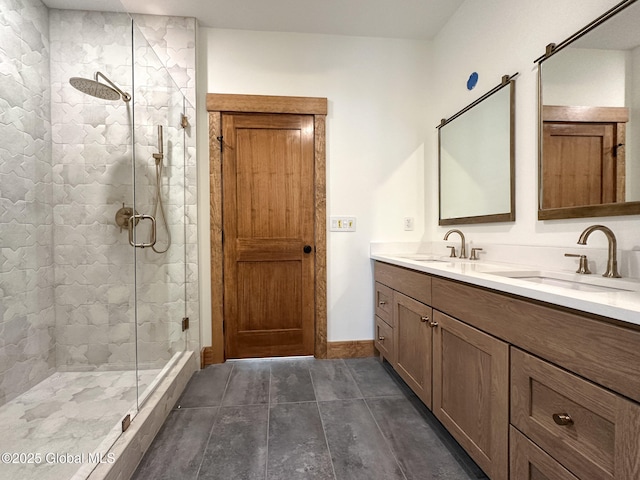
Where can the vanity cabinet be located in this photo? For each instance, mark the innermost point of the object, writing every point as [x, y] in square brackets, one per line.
[413, 344]
[384, 338]
[530, 390]
[471, 391]
[530, 462]
[458, 371]
[402, 297]
[586, 428]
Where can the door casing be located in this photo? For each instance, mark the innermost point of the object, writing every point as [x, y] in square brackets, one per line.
[230, 103]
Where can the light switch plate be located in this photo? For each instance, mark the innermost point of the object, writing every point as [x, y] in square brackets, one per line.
[340, 223]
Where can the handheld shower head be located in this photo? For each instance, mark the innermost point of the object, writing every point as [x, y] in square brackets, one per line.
[99, 90]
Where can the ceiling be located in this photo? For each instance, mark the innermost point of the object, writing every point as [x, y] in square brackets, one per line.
[412, 19]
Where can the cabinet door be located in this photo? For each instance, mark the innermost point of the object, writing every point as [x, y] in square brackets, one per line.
[593, 432]
[412, 335]
[530, 462]
[471, 391]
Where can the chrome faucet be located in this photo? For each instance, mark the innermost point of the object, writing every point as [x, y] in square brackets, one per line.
[612, 262]
[463, 249]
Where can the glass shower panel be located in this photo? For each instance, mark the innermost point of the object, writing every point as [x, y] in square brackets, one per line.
[159, 235]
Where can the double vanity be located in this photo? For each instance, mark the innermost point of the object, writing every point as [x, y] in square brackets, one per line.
[536, 373]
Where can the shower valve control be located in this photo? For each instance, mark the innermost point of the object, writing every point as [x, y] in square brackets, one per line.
[123, 215]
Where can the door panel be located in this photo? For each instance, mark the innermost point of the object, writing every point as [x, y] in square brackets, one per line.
[266, 278]
[268, 219]
[579, 164]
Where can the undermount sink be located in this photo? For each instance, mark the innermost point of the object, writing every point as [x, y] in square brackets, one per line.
[425, 257]
[571, 281]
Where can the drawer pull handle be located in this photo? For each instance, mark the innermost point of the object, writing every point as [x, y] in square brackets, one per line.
[382, 303]
[562, 419]
[424, 319]
[381, 338]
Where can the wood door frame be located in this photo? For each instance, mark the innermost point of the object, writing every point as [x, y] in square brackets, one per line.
[217, 104]
[617, 116]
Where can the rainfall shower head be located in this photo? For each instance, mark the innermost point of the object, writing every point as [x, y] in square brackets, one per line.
[99, 90]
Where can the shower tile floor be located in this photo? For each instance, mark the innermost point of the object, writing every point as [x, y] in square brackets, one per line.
[64, 417]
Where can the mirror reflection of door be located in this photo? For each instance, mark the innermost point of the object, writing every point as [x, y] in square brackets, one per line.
[584, 156]
[597, 67]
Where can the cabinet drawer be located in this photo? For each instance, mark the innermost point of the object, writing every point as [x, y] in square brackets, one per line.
[414, 284]
[530, 462]
[591, 431]
[384, 303]
[384, 340]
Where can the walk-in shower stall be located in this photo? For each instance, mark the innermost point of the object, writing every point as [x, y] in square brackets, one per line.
[97, 270]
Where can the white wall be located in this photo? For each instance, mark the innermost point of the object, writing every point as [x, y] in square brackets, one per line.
[377, 90]
[569, 78]
[385, 99]
[495, 38]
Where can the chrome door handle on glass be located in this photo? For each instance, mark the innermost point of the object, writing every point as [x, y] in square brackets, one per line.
[137, 218]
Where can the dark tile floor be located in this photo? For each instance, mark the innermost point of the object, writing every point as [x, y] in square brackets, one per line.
[304, 418]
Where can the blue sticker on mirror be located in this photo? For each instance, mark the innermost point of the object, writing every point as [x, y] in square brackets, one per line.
[473, 80]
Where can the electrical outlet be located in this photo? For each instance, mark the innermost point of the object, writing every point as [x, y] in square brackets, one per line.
[408, 224]
[342, 224]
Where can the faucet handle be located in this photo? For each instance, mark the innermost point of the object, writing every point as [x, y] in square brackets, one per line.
[584, 263]
[473, 255]
[453, 251]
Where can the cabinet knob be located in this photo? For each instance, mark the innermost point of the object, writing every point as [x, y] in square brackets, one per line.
[424, 319]
[433, 324]
[382, 303]
[381, 338]
[562, 419]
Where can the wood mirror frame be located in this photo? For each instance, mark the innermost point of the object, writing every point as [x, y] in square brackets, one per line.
[469, 151]
[577, 128]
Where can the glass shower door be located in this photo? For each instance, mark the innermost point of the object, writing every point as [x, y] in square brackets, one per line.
[159, 233]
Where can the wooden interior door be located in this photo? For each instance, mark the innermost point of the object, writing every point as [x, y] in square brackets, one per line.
[583, 156]
[579, 166]
[268, 227]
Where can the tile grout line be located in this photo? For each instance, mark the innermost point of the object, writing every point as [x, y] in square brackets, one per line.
[226, 385]
[374, 419]
[353, 378]
[213, 424]
[324, 430]
[386, 440]
[266, 463]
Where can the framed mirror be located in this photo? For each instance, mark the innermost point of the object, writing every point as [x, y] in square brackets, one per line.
[589, 119]
[476, 160]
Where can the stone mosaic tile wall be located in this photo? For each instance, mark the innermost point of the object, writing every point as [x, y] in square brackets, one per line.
[92, 178]
[66, 270]
[100, 271]
[27, 314]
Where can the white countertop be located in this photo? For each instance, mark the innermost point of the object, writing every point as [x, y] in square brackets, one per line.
[610, 302]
